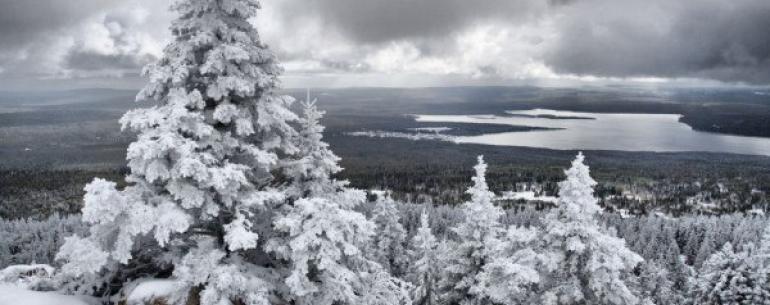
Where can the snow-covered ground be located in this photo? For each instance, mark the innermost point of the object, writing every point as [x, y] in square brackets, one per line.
[18, 285]
[13, 295]
[526, 195]
[402, 135]
[149, 290]
[431, 129]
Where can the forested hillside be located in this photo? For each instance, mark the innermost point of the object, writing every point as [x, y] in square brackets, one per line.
[436, 172]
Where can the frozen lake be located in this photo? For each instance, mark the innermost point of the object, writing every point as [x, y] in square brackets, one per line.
[604, 131]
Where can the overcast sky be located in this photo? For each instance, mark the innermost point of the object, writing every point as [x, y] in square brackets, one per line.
[342, 43]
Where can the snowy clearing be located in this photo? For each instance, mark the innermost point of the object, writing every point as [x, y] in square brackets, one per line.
[12, 295]
[431, 129]
[528, 196]
[402, 135]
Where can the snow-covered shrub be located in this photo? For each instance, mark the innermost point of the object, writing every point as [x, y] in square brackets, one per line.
[733, 278]
[655, 284]
[33, 277]
[29, 241]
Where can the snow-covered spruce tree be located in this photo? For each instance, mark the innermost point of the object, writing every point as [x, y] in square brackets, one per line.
[583, 263]
[730, 278]
[201, 165]
[665, 269]
[389, 242]
[424, 270]
[312, 166]
[511, 275]
[707, 247]
[762, 262]
[320, 248]
[318, 238]
[763, 253]
[475, 237]
[656, 286]
[681, 275]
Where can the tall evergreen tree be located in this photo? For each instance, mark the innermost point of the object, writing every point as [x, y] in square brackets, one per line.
[656, 285]
[764, 247]
[476, 236]
[389, 244]
[202, 175]
[319, 238]
[424, 271]
[202, 161]
[511, 275]
[707, 247]
[312, 166]
[583, 263]
[762, 263]
[732, 278]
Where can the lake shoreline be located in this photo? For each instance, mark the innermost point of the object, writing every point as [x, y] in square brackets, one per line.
[603, 131]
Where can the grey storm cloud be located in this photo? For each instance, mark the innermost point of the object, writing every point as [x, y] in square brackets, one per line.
[129, 58]
[375, 21]
[24, 21]
[707, 39]
[46, 38]
[711, 39]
